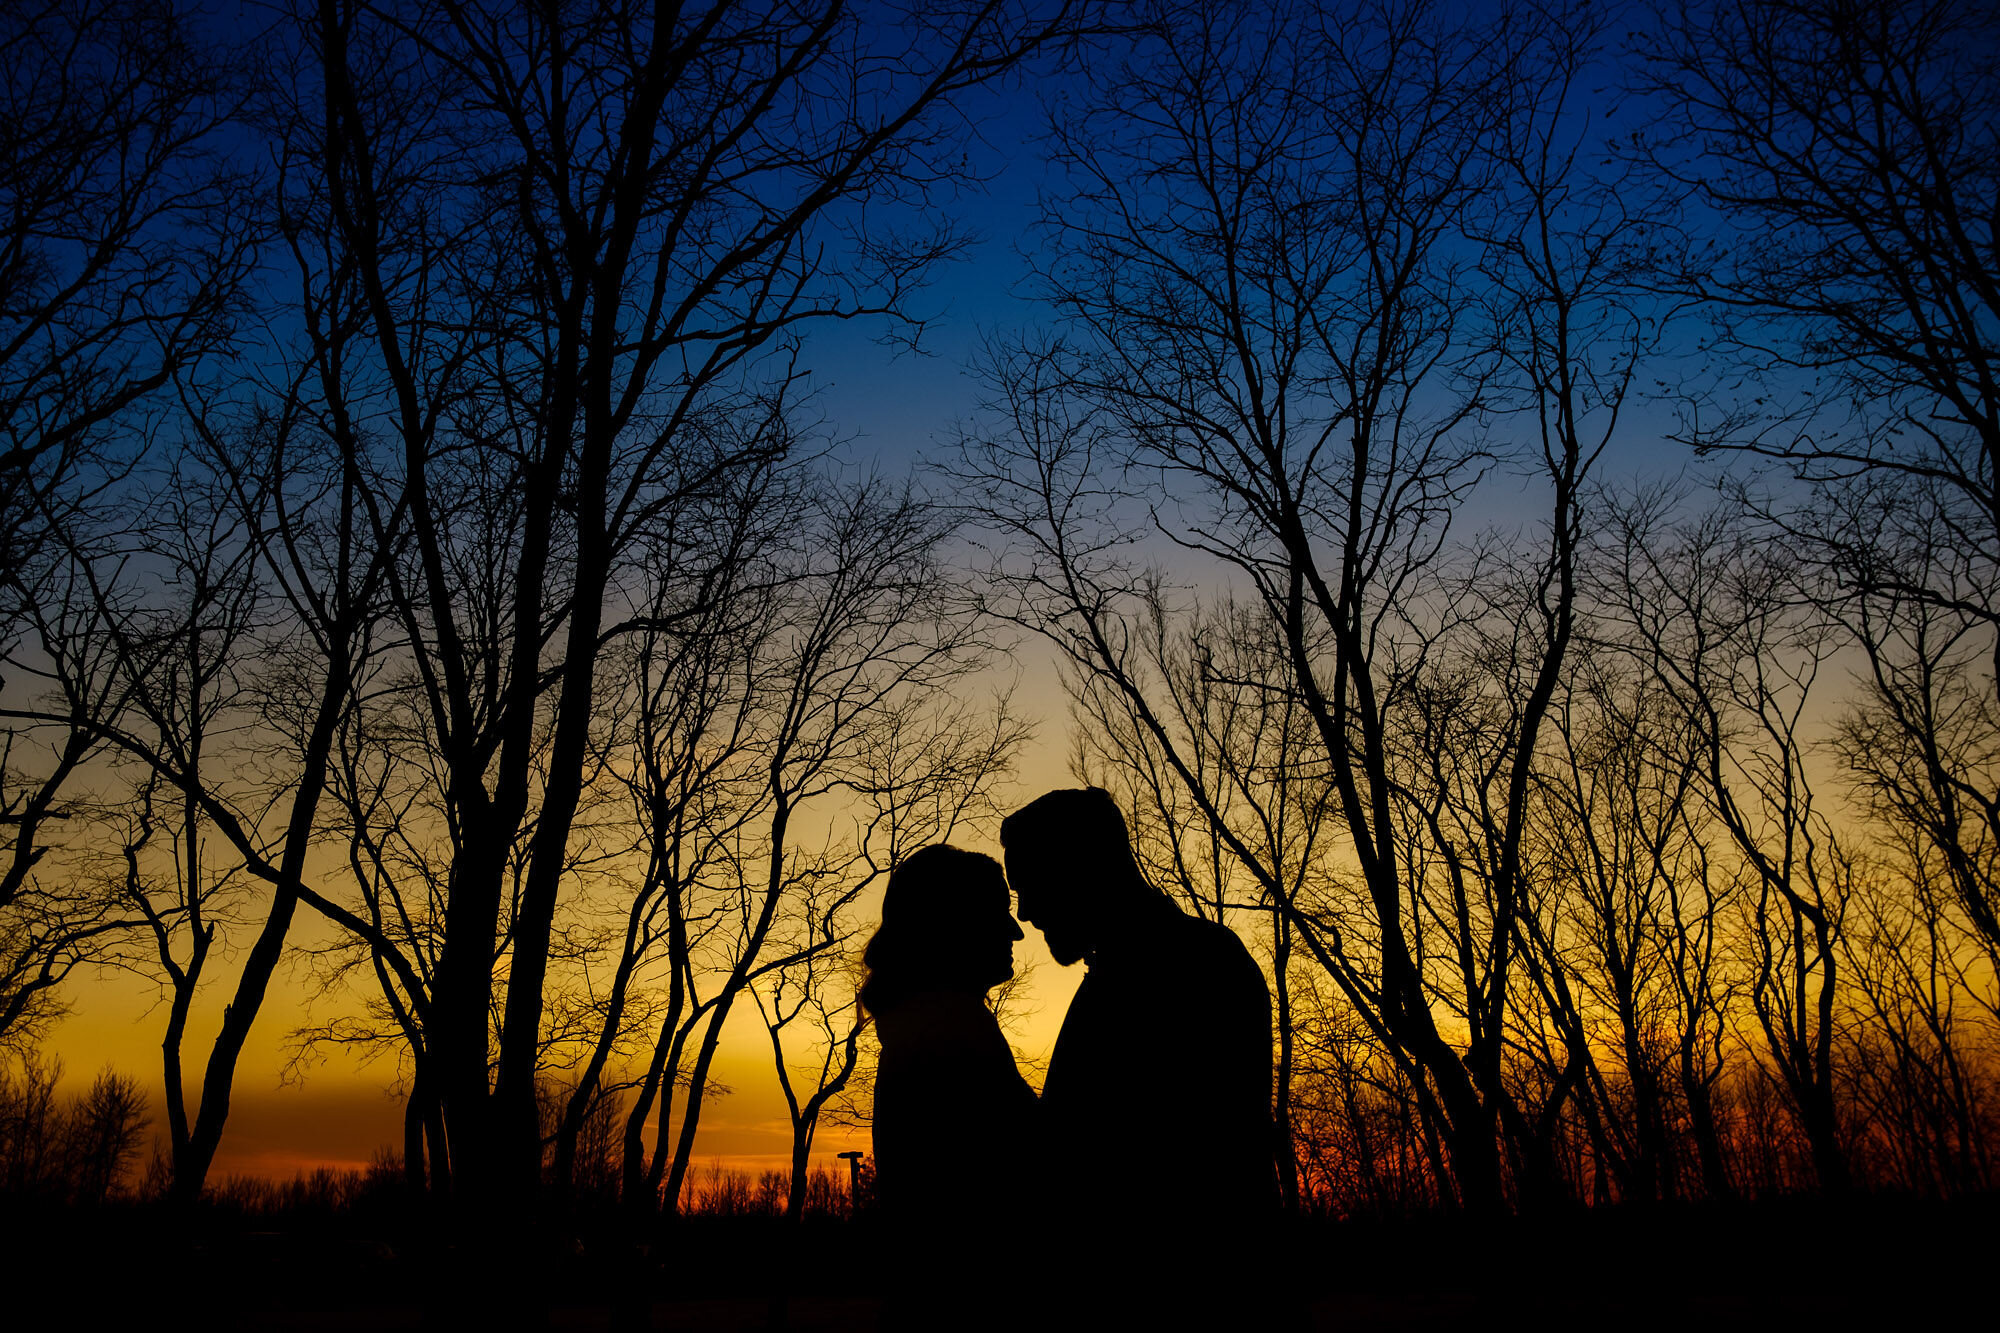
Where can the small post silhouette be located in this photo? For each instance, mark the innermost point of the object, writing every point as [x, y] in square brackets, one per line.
[853, 1160]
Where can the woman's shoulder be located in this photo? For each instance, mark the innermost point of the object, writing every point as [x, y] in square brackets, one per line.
[931, 1016]
[943, 1029]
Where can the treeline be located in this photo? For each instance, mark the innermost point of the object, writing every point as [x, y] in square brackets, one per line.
[414, 524]
[80, 1151]
[93, 1148]
[422, 561]
[1641, 844]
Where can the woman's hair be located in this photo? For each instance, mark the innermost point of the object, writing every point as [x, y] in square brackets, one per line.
[935, 900]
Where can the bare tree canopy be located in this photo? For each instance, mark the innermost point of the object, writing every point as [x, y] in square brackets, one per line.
[1508, 494]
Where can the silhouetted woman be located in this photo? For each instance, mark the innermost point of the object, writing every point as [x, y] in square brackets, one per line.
[953, 1118]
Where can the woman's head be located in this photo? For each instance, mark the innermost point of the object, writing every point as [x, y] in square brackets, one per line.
[945, 926]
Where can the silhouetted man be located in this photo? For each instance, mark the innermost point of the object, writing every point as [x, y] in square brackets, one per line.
[1156, 1109]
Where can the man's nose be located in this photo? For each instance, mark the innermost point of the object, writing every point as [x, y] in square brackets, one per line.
[1014, 930]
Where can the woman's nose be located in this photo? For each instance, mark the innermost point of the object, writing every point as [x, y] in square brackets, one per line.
[1014, 930]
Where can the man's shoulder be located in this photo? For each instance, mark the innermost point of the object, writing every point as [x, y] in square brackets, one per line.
[1198, 932]
[1217, 949]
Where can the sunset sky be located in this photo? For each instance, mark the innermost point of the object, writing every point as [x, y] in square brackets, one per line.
[889, 408]
[337, 1111]
[892, 411]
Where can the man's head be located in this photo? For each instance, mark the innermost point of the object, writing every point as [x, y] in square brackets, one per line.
[1069, 860]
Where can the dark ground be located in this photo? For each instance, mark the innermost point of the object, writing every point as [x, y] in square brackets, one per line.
[1801, 1263]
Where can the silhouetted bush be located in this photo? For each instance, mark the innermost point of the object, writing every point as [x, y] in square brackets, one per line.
[715, 1192]
[81, 1152]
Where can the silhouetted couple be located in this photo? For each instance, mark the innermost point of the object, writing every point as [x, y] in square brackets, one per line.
[1137, 1191]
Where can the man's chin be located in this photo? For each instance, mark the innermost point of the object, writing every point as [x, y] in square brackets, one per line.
[1063, 953]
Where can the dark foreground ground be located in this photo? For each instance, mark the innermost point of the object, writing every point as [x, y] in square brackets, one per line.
[1788, 1264]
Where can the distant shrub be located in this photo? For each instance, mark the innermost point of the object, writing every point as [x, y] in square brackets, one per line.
[80, 1153]
[719, 1193]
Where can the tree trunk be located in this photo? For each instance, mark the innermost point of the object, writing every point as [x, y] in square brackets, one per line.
[738, 978]
[1285, 1145]
[802, 1137]
[413, 1136]
[1707, 1136]
[464, 988]
[191, 1177]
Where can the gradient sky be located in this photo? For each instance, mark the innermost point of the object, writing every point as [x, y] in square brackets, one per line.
[892, 409]
[337, 1110]
[888, 407]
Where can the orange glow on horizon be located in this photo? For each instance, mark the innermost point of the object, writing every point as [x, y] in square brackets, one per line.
[336, 1111]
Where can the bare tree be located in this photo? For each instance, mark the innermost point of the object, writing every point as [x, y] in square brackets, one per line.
[855, 690]
[1840, 166]
[123, 245]
[1913, 1066]
[166, 598]
[59, 906]
[186, 657]
[1718, 622]
[103, 1132]
[1277, 355]
[822, 990]
[124, 248]
[1632, 919]
[571, 276]
[1842, 161]
[692, 784]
